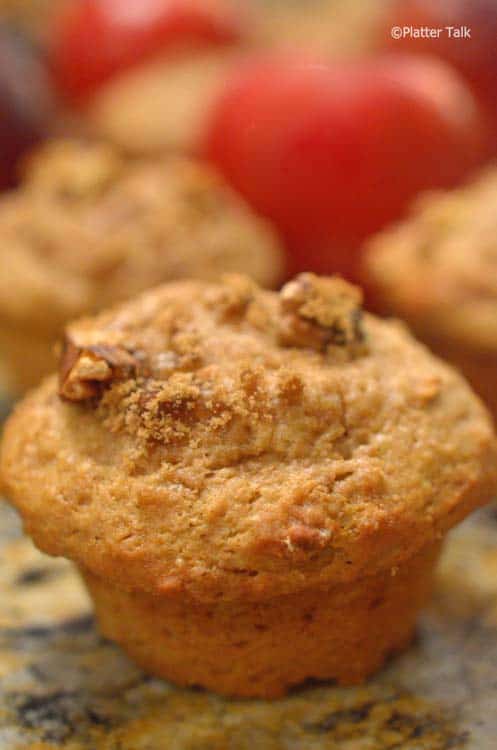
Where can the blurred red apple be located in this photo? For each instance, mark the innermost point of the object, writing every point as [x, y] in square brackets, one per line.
[333, 153]
[93, 40]
[467, 39]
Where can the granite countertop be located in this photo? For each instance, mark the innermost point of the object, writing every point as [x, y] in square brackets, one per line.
[63, 686]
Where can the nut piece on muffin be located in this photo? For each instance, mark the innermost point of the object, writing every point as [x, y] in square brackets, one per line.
[438, 271]
[255, 486]
[88, 229]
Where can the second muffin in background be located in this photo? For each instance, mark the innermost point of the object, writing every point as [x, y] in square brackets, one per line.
[255, 486]
[438, 271]
[88, 228]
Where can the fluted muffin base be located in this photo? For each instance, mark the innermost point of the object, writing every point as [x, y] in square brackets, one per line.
[261, 649]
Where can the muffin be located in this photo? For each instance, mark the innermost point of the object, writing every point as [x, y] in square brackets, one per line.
[88, 228]
[254, 485]
[438, 271]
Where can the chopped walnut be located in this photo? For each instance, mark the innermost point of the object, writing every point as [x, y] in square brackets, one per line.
[84, 369]
[320, 312]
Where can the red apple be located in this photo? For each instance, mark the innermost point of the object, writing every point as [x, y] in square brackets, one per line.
[465, 36]
[93, 40]
[331, 153]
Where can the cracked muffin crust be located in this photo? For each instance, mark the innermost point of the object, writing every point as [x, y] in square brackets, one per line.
[437, 270]
[254, 485]
[89, 228]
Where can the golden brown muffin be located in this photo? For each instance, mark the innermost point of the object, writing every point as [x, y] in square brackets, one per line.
[438, 271]
[255, 486]
[87, 229]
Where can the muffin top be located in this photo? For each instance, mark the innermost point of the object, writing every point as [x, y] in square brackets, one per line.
[227, 441]
[438, 269]
[88, 229]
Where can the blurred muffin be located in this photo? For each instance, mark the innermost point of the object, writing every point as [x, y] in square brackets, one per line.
[438, 271]
[87, 229]
[254, 485]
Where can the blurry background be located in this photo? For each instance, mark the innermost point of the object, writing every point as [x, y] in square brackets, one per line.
[150, 78]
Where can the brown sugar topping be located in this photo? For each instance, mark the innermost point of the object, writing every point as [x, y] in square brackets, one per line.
[235, 295]
[309, 313]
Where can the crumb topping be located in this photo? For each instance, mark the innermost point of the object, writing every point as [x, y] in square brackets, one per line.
[228, 357]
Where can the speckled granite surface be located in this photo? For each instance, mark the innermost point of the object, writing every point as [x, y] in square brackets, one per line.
[62, 686]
